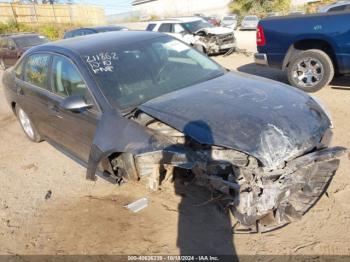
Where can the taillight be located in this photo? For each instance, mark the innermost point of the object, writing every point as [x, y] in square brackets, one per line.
[260, 36]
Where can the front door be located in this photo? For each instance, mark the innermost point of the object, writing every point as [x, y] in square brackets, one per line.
[73, 130]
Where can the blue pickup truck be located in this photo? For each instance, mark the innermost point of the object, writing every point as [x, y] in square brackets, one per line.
[310, 48]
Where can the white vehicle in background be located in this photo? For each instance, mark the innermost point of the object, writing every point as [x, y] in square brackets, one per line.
[230, 21]
[250, 22]
[198, 33]
[339, 6]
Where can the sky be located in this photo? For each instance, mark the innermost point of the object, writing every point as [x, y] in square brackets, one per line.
[111, 6]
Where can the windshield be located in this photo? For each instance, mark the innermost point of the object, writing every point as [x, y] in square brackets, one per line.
[229, 18]
[195, 26]
[28, 41]
[250, 18]
[135, 73]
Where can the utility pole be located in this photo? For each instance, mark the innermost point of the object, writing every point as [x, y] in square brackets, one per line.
[13, 12]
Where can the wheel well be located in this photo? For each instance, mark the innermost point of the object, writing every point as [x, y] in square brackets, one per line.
[13, 106]
[308, 44]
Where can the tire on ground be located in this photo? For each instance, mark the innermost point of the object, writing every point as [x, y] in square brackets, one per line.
[326, 63]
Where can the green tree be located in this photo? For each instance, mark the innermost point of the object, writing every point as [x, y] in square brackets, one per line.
[259, 7]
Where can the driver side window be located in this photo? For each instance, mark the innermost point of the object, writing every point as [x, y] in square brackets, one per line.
[67, 81]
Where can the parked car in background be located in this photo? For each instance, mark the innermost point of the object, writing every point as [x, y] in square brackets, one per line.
[92, 30]
[249, 22]
[310, 48]
[230, 21]
[296, 13]
[12, 46]
[197, 32]
[213, 20]
[272, 14]
[145, 107]
[340, 6]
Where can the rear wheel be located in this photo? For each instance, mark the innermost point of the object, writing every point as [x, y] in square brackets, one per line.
[27, 125]
[311, 70]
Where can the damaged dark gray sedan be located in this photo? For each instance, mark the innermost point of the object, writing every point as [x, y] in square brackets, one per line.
[144, 106]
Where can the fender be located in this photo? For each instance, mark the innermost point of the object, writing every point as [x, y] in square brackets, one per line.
[116, 133]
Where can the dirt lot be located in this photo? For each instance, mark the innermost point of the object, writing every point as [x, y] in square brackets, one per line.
[84, 217]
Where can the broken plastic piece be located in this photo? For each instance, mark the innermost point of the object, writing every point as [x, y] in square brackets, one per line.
[138, 205]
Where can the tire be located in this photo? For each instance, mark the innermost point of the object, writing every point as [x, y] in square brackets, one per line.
[27, 125]
[310, 70]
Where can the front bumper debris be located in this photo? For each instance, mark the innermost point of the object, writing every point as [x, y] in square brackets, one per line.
[261, 200]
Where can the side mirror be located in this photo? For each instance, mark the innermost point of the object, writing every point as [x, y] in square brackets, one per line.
[75, 103]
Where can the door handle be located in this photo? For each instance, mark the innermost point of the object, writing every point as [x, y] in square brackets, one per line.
[54, 109]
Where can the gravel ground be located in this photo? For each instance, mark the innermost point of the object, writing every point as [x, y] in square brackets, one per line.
[83, 217]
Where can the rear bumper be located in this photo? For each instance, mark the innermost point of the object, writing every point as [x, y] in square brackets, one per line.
[261, 59]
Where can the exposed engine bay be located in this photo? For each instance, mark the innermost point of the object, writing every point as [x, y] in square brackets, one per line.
[261, 199]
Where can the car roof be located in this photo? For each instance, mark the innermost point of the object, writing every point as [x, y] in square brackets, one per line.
[179, 20]
[253, 16]
[95, 42]
[20, 35]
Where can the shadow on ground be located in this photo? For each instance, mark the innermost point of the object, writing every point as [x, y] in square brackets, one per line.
[341, 82]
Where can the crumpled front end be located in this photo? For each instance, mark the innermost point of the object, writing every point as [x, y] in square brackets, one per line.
[261, 199]
[216, 43]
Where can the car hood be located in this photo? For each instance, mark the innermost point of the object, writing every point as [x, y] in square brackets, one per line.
[216, 30]
[266, 119]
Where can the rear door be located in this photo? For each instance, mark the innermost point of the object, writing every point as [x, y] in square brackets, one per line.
[33, 88]
[177, 31]
[74, 131]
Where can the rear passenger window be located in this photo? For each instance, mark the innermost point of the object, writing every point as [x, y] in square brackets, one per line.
[36, 68]
[165, 28]
[150, 27]
[66, 80]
